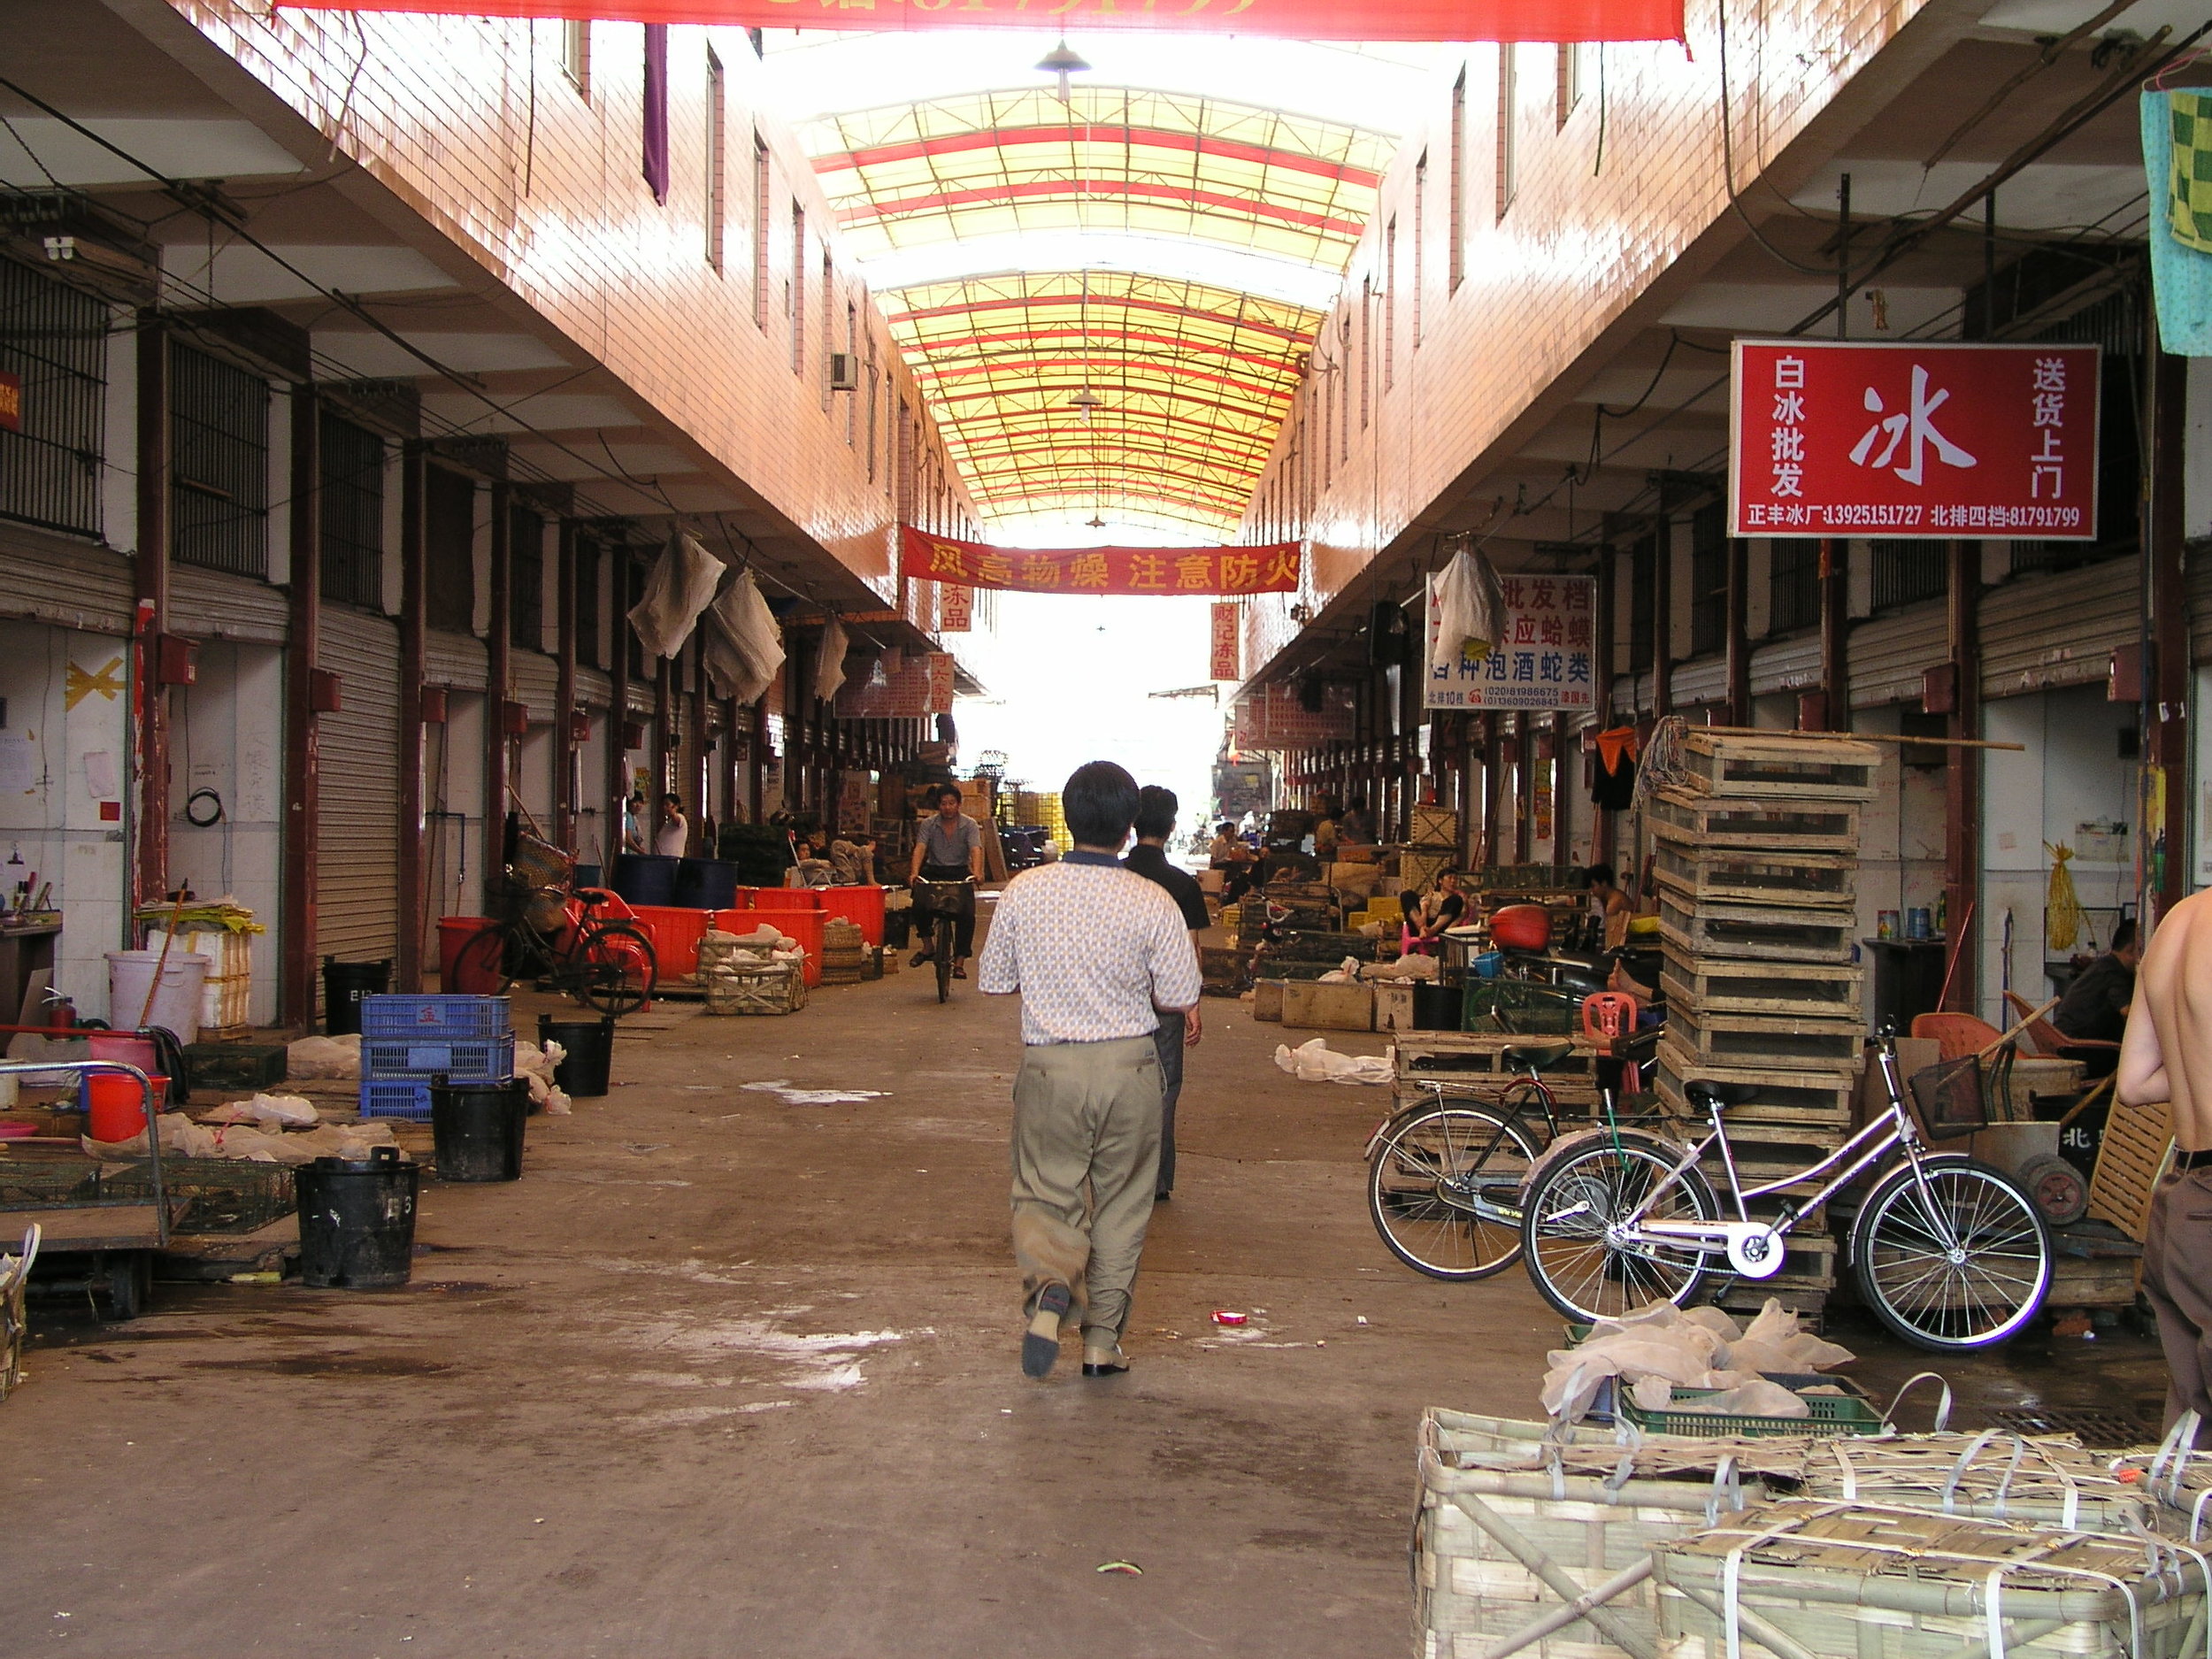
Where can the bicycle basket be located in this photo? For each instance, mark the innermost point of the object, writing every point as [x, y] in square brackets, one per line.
[541, 864]
[1953, 1096]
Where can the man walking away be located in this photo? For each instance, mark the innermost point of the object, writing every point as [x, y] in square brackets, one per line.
[1155, 822]
[950, 845]
[1097, 953]
[2167, 1056]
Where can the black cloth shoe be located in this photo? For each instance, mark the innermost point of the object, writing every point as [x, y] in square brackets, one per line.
[1040, 1352]
[1093, 1368]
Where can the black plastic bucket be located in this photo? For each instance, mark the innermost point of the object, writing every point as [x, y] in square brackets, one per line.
[344, 985]
[590, 1044]
[357, 1220]
[588, 876]
[897, 924]
[1437, 1007]
[706, 884]
[643, 879]
[478, 1129]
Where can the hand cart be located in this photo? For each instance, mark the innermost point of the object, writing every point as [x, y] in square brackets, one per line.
[101, 1221]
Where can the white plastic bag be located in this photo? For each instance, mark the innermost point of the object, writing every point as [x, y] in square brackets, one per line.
[680, 585]
[275, 1111]
[1316, 1062]
[829, 662]
[743, 645]
[331, 1058]
[1471, 607]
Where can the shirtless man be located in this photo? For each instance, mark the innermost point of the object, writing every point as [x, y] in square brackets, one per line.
[2167, 1056]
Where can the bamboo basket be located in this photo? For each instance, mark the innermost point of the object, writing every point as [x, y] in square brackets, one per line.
[1514, 1528]
[777, 989]
[1805, 1580]
[2046, 1480]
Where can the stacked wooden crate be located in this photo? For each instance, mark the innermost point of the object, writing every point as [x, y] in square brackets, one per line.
[1756, 865]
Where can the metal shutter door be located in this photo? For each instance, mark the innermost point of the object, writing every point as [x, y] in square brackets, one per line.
[1890, 655]
[53, 578]
[2041, 632]
[356, 830]
[212, 605]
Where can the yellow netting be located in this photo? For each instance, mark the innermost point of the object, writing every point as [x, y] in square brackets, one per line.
[2063, 919]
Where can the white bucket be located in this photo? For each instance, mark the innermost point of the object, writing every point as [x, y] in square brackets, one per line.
[176, 1005]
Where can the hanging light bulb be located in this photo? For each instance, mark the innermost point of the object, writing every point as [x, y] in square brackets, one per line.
[1062, 61]
[1094, 522]
[1084, 401]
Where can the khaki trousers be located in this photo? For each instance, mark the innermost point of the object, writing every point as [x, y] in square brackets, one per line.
[1086, 1151]
[2178, 1281]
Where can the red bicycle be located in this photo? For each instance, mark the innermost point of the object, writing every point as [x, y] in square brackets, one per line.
[556, 942]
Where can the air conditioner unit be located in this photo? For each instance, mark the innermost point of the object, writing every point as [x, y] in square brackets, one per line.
[844, 371]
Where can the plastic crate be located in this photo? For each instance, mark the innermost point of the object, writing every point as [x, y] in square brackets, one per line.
[475, 1060]
[449, 1017]
[396, 1097]
[1832, 1415]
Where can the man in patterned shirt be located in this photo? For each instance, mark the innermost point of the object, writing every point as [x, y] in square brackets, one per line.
[1097, 953]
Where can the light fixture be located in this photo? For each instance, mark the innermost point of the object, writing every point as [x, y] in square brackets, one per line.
[1062, 61]
[1094, 522]
[1084, 401]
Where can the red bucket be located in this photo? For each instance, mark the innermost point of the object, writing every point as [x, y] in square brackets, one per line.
[117, 1106]
[454, 931]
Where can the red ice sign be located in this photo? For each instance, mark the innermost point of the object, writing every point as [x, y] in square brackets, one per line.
[1917, 441]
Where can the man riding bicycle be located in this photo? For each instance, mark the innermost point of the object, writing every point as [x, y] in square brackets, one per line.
[950, 848]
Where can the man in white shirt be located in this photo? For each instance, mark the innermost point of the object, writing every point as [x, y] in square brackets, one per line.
[1098, 952]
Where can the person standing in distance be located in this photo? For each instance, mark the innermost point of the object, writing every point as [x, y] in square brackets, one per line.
[1155, 822]
[1098, 952]
[950, 845]
[2166, 1056]
[675, 831]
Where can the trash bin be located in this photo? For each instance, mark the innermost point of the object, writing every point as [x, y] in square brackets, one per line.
[477, 1128]
[357, 1220]
[1437, 1007]
[344, 985]
[706, 884]
[583, 1071]
[643, 879]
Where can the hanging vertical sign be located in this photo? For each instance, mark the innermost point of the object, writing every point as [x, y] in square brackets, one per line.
[1228, 641]
[939, 669]
[955, 610]
[1545, 658]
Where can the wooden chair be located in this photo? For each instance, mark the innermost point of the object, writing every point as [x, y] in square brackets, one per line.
[2045, 1038]
[1959, 1035]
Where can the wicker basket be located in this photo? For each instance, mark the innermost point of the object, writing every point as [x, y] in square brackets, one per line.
[1814, 1580]
[776, 989]
[2046, 1480]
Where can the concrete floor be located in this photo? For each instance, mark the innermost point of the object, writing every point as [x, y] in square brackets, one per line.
[725, 1375]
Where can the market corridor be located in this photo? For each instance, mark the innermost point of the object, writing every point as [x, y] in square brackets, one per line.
[721, 1374]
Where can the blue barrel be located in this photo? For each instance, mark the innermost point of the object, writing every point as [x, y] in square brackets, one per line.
[705, 884]
[641, 879]
[589, 876]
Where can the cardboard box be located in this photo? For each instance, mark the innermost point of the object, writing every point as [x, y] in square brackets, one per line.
[1314, 1005]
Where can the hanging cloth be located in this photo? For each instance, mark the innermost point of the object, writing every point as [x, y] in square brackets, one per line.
[829, 663]
[2178, 166]
[1613, 789]
[744, 645]
[679, 586]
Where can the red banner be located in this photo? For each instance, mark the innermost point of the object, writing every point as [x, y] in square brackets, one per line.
[1301, 19]
[1926, 442]
[1100, 570]
[1228, 641]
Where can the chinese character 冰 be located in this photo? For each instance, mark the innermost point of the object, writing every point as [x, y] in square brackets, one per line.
[1914, 426]
[1789, 409]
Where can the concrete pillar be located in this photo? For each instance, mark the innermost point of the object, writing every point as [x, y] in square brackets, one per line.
[564, 744]
[1835, 634]
[1961, 795]
[2166, 688]
[413, 625]
[151, 569]
[499, 747]
[295, 979]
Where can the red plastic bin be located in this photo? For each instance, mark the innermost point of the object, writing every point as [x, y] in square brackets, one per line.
[863, 907]
[676, 936]
[454, 932]
[786, 898]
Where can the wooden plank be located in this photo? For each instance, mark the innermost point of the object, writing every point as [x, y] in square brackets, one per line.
[2103, 1281]
[1719, 985]
[1812, 1099]
[1721, 764]
[90, 1227]
[1772, 1041]
[1756, 875]
[1756, 932]
[1812, 826]
[2138, 1141]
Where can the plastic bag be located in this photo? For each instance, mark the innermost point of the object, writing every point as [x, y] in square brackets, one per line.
[1471, 607]
[333, 1058]
[829, 662]
[1757, 1398]
[1344, 973]
[281, 1111]
[680, 585]
[743, 644]
[1316, 1062]
[1775, 1341]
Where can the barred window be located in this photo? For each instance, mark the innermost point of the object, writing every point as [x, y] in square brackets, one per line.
[218, 464]
[352, 513]
[1906, 573]
[53, 354]
[525, 579]
[1793, 584]
[590, 650]
[449, 545]
[1708, 581]
[1643, 601]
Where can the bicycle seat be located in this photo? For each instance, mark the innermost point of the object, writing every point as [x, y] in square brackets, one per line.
[1536, 1056]
[1705, 1096]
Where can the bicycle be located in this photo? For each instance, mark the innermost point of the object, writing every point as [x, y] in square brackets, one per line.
[608, 966]
[1950, 1254]
[1444, 1173]
[957, 897]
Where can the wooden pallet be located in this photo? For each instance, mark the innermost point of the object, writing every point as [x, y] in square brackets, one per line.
[1798, 769]
[1778, 1042]
[1705, 820]
[2137, 1140]
[1756, 875]
[1787, 1098]
[1420, 1058]
[1758, 933]
[1721, 985]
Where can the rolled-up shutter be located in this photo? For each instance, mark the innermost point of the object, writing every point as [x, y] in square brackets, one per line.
[458, 660]
[2042, 632]
[536, 681]
[357, 872]
[1702, 682]
[206, 604]
[1785, 666]
[69, 583]
[1891, 655]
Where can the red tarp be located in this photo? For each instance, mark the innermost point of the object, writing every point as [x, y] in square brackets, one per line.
[1198, 572]
[1306, 20]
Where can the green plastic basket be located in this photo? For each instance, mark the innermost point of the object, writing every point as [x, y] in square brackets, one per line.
[1832, 1415]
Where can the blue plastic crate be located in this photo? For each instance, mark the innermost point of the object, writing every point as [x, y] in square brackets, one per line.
[396, 1097]
[444, 1016]
[474, 1060]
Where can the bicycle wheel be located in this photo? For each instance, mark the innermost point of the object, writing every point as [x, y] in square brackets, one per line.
[486, 957]
[1444, 1190]
[613, 968]
[1951, 1256]
[943, 933]
[1574, 1199]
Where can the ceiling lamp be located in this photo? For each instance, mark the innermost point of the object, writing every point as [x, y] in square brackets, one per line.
[1084, 401]
[1094, 522]
[1062, 61]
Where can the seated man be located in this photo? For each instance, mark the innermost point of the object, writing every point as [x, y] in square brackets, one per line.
[1237, 862]
[2095, 1006]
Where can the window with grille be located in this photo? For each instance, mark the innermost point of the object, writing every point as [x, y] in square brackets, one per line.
[1793, 585]
[1708, 581]
[449, 545]
[1643, 595]
[351, 506]
[1906, 573]
[219, 464]
[53, 349]
[589, 650]
[1509, 125]
[525, 579]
